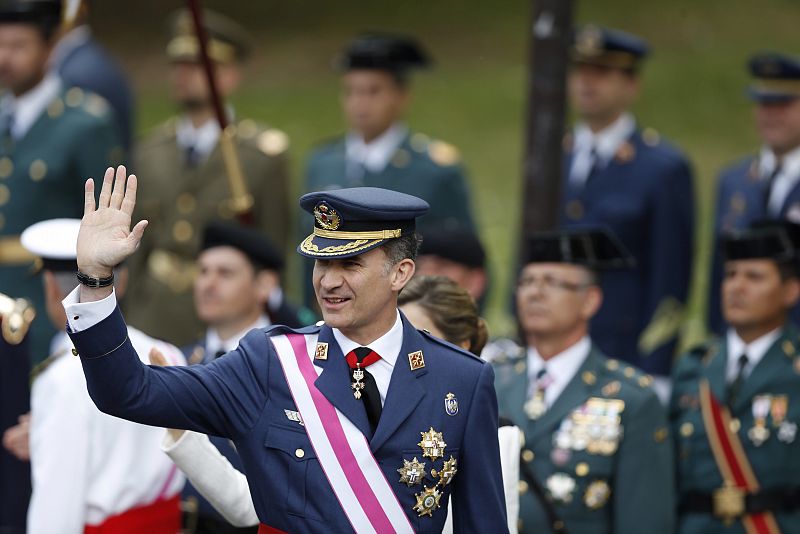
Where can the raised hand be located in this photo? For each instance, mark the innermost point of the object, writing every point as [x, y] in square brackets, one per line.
[105, 238]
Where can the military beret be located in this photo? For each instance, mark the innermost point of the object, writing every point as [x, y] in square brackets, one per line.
[606, 47]
[380, 51]
[348, 222]
[249, 241]
[228, 42]
[594, 247]
[772, 239]
[775, 77]
[55, 241]
[460, 245]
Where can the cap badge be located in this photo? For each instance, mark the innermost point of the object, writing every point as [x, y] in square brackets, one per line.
[327, 217]
[589, 41]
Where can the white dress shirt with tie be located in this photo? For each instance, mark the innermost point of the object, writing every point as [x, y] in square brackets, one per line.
[561, 368]
[755, 351]
[595, 150]
[784, 181]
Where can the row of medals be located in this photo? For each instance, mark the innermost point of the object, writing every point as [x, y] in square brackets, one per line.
[413, 473]
[593, 427]
[776, 407]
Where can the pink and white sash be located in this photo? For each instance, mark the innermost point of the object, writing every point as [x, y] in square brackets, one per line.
[342, 450]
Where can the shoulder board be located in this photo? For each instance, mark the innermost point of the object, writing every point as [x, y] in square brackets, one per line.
[651, 137]
[443, 154]
[270, 141]
[430, 337]
[93, 104]
[17, 316]
[279, 329]
[503, 351]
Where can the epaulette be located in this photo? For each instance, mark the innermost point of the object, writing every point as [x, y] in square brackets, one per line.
[279, 329]
[269, 141]
[443, 154]
[503, 351]
[430, 337]
[17, 315]
[93, 104]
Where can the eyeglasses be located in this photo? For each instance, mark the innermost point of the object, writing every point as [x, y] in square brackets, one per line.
[549, 283]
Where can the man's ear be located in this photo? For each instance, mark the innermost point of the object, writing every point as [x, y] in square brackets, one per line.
[791, 292]
[401, 273]
[266, 282]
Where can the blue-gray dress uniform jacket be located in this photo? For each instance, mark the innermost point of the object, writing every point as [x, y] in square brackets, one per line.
[626, 487]
[741, 200]
[645, 196]
[244, 396]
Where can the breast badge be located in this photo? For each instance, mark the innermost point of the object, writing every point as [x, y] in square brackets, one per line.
[412, 472]
[597, 494]
[446, 473]
[428, 501]
[560, 486]
[432, 444]
[450, 404]
[759, 433]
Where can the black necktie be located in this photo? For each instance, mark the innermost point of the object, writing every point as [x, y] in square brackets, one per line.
[219, 353]
[736, 385]
[370, 394]
[192, 156]
[769, 185]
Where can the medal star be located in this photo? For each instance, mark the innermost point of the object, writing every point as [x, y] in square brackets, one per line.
[432, 444]
[447, 472]
[427, 501]
[412, 472]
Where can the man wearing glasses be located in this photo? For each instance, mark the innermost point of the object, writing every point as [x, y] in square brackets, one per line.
[594, 428]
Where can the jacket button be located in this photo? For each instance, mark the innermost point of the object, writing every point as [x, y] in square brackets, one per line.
[299, 453]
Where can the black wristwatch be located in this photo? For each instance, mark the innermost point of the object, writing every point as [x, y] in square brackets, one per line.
[92, 282]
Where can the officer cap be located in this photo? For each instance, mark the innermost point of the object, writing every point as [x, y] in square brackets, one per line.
[460, 245]
[55, 242]
[775, 77]
[46, 14]
[595, 248]
[604, 47]
[348, 222]
[228, 42]
[777, 240]
[380, 51]
[260, 250]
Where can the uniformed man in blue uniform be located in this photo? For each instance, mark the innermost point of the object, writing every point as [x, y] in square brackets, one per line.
[766, 184]
[51, 137]
[597, 458]
[631, 180]
[734, 409]
[398, 418]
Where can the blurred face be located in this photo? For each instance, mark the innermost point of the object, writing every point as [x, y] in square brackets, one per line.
[778, 124]
[470, 278]
[23, 57]
[190, 88]
[601, 94]
[754, 296]
[555, 299]
[358, 295]
[372, 101]
[228, 289]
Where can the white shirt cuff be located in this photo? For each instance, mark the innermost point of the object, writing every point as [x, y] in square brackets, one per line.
[84, 315]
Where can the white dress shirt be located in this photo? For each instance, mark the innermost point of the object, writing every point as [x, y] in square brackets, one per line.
[375, 155]
[784, 181]
[202, 139]
[604, 144]
[87, 466]
[561, 368]
[755, 352]
[214, 343]
[27, 108]
[387, 346]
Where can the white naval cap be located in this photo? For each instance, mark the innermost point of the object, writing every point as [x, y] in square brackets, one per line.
[54, 241]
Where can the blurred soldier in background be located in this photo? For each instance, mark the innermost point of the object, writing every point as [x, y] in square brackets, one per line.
[52, 137]
[184, 183]
[734, 409]
[766, 184]
[92, 473]
[641, 188]
[82, 62]
[594, 429]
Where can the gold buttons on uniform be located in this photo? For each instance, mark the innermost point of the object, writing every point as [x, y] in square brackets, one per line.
[687, 429]
[6, 167]
[5, 194]
[612, 364]
[186, 203]
[56, 108]
[629, 372]
[182, 231]
[582, 469]
[589, 377]
[299, 453]
[527, 455]
[74, 97]
[37, 170]
[522, 486]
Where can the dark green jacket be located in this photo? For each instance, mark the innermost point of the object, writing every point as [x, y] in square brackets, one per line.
[638, 472]
[776, 462]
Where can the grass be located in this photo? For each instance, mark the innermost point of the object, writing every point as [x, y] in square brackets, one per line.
[693, 93]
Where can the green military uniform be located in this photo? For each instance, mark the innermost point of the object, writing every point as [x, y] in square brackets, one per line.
[179, 201]
[773, 387]
[42, 176]
[426, 168]
[621, 483]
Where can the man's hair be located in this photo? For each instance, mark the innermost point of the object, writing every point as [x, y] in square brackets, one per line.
[788, 270]
[403, 247]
